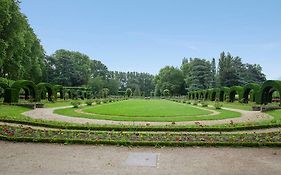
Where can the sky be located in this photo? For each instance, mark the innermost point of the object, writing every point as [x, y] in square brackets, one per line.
[146, 35]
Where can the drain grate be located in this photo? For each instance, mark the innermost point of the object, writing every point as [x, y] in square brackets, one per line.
[142, 159]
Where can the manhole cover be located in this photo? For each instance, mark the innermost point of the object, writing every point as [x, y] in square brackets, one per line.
[142, 159]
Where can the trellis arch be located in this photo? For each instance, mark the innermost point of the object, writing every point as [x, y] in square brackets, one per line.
[43, 88]
[266, 91]
[235, 90]
[255, 88]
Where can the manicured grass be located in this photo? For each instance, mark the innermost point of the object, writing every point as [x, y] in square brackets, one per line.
[59, 103]
[222, 115]
[236, 105]
[12, 112]
[146, 108]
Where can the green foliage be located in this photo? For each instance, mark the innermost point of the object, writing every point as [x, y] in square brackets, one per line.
[232, 72]
[170, 78]
[75, 104]
[77, 63]
[104, 92]
[89, 102]
[128, 92]
[166, 92]
[22, 56]
[218, 105]
[98, 101]
[204, 104]
[197, 74]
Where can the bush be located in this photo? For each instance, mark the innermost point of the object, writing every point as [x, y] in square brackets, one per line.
[218, 105]
[98, 101]
[195, 103]
[89, 102]
[188, 102]
[204, 104]
[75, 104]
[104, 101]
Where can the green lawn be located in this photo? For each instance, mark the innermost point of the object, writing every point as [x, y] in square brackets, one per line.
[146, 108]
[236, 105]
[147, 111]
[59, 103]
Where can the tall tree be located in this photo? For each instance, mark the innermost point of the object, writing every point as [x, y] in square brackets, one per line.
[170, 78]
[21, 55]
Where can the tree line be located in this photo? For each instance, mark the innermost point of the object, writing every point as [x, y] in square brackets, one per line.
[199, 74]
[23, 57]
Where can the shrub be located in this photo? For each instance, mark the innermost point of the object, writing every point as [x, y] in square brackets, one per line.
[89, 102]
[204, 104]
[218, 105]
[75, 104]
[104, 101]
[98, 101]
[195, 103]
[188, 102]
[166, 92]
[128, 92]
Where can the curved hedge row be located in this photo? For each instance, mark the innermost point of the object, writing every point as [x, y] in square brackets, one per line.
[37, 92]
[261, 94]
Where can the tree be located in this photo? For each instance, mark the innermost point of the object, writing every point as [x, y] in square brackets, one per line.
[98, 69]
[71, 68]
[166, 92]
[198, 74]
[128, 92]
[137, 91]
[213, 73]
[227, 71]
[21, 55]
[232, 72]
[170, 78]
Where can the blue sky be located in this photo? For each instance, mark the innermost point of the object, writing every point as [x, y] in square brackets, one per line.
[146, 35]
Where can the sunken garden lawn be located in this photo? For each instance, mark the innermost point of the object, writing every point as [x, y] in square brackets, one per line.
[215, 117]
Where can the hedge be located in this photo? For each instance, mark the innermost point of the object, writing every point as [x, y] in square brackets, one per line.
[42, 88]
[265, 94]
[251, 89]
[235, 90]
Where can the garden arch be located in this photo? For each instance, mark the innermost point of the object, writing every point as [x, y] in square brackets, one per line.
[4, 86]
[223, 92]
[266, 91]
[42, 89]
[214, 94]
[251, 90]
[235, 90]
[29, 88]
[58, 89]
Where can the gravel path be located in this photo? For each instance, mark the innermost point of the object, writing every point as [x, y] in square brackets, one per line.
[56, 159]
[47, 114]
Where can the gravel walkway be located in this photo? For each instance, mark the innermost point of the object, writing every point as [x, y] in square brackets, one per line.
[47, 114]
[56, 159]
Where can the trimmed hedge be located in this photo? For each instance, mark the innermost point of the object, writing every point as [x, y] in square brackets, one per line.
[42, 88]
[235, 90]
[259, 94]
[255, 88]
[11, 93]
[265, 94]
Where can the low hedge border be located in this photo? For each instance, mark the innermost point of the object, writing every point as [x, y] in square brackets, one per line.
[141, 128]
[129, 143]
